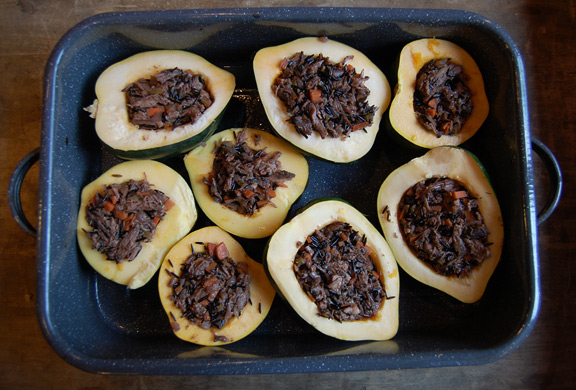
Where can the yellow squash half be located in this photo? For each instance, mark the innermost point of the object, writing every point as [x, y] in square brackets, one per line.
[267, 68]
[130, 142]
[266, 219]
[177, 222]
[281, 252]
[402, 117]
[460, 165]
[261, 291]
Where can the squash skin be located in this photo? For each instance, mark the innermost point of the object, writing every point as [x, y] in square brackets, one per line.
[402, 117]
[128, 141]
[281, 251]
[261, 291]
[267, 68]
[460, 165]
[266, 220]
[178, 221]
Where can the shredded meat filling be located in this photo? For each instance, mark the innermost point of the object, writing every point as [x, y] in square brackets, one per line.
[211, 288]
[244, 179]
[442, 224]
[335, 270]
[442, 101]
[324, 97]
[124, 216]
[167, 100]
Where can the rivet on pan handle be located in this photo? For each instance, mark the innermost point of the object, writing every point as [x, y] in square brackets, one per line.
[555, 175]
[14, 191]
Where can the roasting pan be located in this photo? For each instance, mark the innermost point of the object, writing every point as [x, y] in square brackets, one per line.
[101, 327]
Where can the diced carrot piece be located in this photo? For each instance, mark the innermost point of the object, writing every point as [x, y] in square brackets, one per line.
[315, 95]
[248, 193]
[154, 111]
[360, 126]
[121, 215]
[222, 251]
[168, 204]
[157, 220]
[433, 103]
[128, 222]
[262, 203]
[459, 194]
[368, 250]
[108, 206]
[211, 248]
[271, 193]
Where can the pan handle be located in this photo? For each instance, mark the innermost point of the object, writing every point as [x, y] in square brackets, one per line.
[14, 191]
[555, 175]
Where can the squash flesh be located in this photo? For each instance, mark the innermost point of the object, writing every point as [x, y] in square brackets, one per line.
[282, 250]
[402, 117]
[456, 164]
[177, 222]
[261, 291]
[113, 126]
[266, 219]
[267, 68]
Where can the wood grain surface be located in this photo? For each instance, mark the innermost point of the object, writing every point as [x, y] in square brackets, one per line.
[545, 32]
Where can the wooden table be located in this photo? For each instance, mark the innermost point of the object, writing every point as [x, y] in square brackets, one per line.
[545, 31]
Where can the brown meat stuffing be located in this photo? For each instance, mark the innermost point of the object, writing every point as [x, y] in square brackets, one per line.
[167, 100]
[442, 224]
[442, 101]
[324, 97]
[211, 288]
[124, 216]
[335, 270]
[244, 179]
